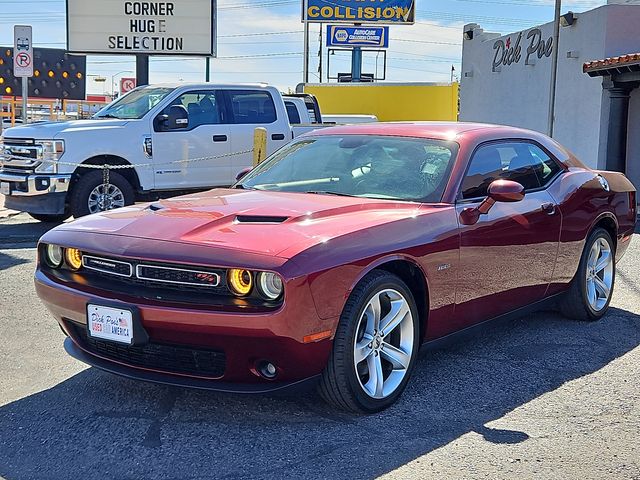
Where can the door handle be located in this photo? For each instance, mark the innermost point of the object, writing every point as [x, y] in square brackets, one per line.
[219, 138]
[277, 136]
[548, 208]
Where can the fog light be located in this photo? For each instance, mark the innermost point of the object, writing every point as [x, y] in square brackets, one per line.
[269, 285]
[53, 256]
[240, 281]
[74, 258]
[267, 369]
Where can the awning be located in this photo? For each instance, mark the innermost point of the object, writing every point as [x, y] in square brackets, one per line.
[613, 65]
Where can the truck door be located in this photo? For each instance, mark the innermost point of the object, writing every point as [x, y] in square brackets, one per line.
[250, 109]
[185, 157]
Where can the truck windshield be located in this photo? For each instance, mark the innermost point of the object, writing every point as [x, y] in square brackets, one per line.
[134, 104]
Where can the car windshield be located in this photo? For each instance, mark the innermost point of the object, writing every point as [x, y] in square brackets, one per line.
[369, 166]
[134, 104]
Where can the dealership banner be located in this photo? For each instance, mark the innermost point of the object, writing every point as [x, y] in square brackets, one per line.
[343, 36]
[359, 11]
[184, 27]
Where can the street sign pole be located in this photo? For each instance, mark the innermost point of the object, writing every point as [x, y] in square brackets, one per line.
[23, 61]
[25, 94]
[356, 64]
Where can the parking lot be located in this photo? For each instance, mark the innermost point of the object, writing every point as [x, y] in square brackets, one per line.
[540, 397]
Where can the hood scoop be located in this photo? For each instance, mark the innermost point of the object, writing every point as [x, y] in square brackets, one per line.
[262, 219]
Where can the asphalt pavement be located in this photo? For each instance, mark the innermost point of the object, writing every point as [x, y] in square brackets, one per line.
[539, 397]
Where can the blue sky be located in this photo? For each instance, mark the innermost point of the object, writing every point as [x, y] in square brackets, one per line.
[262, 41]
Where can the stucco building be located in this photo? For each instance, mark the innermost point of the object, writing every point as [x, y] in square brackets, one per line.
[506, 79]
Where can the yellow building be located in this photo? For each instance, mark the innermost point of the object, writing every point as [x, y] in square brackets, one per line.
[388, 101]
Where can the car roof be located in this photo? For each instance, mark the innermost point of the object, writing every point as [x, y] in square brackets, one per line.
[434, 130]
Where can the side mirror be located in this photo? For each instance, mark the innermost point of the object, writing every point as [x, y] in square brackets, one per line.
[177, 118]
[498, 191]
[242, 173]
[505, 191]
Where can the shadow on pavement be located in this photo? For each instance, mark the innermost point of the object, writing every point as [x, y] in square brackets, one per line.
[8, 260]
[95, 425]
[22, 231]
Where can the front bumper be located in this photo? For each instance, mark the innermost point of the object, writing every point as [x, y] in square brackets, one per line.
[245, 339]
[33, 184]
[35, 193]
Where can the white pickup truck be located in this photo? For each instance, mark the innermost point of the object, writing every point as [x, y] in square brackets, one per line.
[152, 130]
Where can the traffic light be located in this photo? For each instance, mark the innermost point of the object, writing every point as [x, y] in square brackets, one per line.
[56, 74]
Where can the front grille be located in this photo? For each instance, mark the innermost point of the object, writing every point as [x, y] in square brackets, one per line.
[108, 266]
[177, 276]
[157, 356]
[156, 276]
[19, 155]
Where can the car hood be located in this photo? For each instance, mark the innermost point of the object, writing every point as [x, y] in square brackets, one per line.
[269, 223]
[45, 130]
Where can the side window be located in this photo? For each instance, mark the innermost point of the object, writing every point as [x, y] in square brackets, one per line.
[485, 167]
[522, 162]
[251, 107]
[203, 108]
[292, 113]
[547, 167]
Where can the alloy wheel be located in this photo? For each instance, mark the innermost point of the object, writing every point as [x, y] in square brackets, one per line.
[105, 197]
[384, 343]
[599, 274]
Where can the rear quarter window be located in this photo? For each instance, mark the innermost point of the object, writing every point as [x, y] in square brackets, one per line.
[252, 107]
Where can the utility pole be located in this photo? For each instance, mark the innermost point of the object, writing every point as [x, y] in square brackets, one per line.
[207, 75]
[554, 68]
[305, 76]
[320, 54]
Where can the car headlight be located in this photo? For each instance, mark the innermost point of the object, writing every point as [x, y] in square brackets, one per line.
[73, 256]
[52, 150]
[53, 255]
[269, 285]
[240, 281]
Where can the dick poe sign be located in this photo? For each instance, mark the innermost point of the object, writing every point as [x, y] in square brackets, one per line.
[359, 11]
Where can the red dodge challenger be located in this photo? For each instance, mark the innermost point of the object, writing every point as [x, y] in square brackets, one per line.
[337, 258]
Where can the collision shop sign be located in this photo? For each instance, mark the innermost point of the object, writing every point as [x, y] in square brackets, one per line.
[342, 36]
[178, 27]
[359, 11]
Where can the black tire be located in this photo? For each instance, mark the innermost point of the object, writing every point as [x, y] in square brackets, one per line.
[339, 384]
[574, 303]
[50, 218]
[79, 199]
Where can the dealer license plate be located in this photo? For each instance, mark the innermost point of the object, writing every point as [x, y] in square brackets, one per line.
[5, 188]
[115, 324]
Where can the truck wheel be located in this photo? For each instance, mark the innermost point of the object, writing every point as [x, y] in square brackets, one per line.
[50, 218]
[90, 195]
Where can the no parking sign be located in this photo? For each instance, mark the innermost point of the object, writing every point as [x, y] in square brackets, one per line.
[22, 51]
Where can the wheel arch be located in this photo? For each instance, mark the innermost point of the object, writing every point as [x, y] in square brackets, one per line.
[412, 274]
[129, 174]
[609, 222]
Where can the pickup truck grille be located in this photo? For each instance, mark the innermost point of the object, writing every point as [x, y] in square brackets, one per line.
[19, 155]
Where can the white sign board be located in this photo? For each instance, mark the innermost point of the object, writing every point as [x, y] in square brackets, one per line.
[22, 51]
[178, 27]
